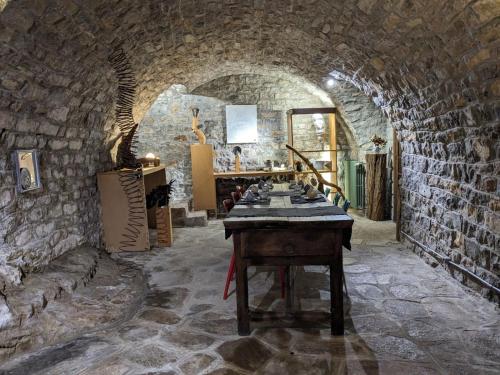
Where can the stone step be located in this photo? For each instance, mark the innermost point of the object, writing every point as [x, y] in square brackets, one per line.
[183, 217]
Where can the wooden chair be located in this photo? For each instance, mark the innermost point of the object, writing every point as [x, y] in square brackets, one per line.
[236, 195]
[228, 204]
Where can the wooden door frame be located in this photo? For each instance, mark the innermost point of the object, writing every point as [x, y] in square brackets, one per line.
[396, 174]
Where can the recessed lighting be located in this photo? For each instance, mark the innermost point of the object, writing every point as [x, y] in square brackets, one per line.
[330, 82]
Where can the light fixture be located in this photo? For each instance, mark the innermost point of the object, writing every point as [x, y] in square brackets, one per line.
[330, 82]
[150, 160]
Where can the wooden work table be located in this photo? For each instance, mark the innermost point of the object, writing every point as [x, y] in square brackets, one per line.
[286, 234]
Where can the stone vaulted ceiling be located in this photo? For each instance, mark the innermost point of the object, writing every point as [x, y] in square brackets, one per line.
[396, 47]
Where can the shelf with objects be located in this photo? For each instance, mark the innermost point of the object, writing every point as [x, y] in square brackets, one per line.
[313, 133]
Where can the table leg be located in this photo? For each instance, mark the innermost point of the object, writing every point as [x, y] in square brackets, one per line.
[336, 293]
[289, 290]
[241, 289]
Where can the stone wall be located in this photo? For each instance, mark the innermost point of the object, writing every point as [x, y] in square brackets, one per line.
[166, 128]
[46, 103]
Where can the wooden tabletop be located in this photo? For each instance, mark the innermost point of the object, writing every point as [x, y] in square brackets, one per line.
[337, 221]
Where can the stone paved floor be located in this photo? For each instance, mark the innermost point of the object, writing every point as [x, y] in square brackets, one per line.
[402, 317]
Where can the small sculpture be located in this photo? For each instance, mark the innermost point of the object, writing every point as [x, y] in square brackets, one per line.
[237, 162]
[378, 142]
[195, 126]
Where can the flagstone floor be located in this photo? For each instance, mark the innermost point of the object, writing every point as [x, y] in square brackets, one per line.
[402, 317]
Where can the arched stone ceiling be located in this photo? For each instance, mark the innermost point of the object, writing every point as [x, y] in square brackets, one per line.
[394, 48]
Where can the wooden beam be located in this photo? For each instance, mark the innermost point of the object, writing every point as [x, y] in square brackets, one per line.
[290, 139]
[311, 111]
[396, 173]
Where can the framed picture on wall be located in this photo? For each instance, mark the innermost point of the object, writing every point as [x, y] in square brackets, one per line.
[27, 170]
[241, 123]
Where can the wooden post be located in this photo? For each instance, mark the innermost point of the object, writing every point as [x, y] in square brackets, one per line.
[336, 294]
[332, 122]
[164, 226]
[376, 173]
[241, 288]
[396, 172]
[290, 138]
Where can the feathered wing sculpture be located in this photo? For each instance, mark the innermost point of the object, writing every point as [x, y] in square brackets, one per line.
[126, 95]
[196, 127]
[315, 171]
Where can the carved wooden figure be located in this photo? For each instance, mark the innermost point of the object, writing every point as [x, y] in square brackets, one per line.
[195, 126]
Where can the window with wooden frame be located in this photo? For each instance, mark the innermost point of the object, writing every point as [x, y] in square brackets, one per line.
[313, 132]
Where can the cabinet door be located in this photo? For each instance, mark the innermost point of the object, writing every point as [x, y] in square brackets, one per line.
[203, 177]
[124, 216]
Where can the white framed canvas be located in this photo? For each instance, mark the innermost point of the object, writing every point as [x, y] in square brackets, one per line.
[241, 123]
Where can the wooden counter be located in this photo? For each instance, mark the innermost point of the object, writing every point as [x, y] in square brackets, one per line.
[251, 174]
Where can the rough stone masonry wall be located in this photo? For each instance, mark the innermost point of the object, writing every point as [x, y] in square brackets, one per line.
[451, 168]
[56, 96]
[166, 128]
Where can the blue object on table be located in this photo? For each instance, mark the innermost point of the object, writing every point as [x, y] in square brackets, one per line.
[327, 192]
[346, 205]
[336, 199]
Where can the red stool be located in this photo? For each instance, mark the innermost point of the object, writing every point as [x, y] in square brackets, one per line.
[228, 205]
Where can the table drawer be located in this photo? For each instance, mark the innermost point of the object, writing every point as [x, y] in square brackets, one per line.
[281, 243]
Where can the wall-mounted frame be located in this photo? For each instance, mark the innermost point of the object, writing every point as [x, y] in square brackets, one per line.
[241, 123]
[27, 169]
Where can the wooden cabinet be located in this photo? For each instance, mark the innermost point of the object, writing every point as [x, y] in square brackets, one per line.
[202, 157]
[123, 207]
[313, 132]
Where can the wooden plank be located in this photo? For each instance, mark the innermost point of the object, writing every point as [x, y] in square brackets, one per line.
[241, 289]
[336, 294]
[276, 242]
[396, 173]
[125, 227]
[311, 111]
[204, 197]
[376, 171]
[148, 170]
[332, 122]
[164, 221]
[289, 122]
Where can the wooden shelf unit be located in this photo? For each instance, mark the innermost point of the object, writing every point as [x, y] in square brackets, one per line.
[332, 139]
